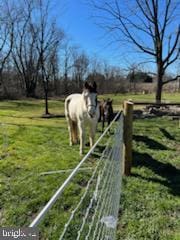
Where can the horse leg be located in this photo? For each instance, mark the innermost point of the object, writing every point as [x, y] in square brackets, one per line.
[75, 132]
[81, 136]
[108, 123]
[92, 132]
[70, 129]
[109, 120]
[103, 121]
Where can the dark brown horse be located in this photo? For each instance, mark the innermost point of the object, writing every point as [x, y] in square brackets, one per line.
[106, 112]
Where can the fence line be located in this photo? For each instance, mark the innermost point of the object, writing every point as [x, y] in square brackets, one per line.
[57, 194]
[64, 171]
[99, 204]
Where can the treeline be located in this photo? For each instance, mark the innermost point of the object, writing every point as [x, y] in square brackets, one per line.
[29, 45]
[38, 60]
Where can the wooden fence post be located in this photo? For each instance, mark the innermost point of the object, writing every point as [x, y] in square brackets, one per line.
[128, 129]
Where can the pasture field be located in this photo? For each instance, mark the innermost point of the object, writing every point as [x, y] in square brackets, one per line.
[30, 145]
[151, 196]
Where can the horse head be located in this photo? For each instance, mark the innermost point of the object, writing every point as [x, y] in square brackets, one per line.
[108, 109]
[90, 97]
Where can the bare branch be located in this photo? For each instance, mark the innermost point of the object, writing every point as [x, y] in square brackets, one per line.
[145, 24]
[166, 19]
[172, 50]
[172, 79]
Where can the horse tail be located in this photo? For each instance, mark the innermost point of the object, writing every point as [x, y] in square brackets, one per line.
[72, 124]
[67, 101]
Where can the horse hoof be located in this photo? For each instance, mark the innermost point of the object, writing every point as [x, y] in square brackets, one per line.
[81, 153]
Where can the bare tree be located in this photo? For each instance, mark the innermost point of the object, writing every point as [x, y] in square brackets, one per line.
[152, 27]
[7, 19]
[68, 55]
[54, 63]
[49, 38]
[81, 62]
[24, 53]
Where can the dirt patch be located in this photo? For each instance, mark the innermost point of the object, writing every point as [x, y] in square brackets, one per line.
[151, 111]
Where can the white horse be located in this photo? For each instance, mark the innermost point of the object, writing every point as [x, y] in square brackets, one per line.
[81, 110]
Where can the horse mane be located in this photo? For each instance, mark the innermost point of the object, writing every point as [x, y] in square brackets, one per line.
[92, 87]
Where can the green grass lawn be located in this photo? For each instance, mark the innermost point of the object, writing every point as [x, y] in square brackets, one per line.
[150, 203]
[30, 145]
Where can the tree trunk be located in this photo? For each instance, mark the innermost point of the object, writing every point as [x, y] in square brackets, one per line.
[30, 88]
[2, 84]
[160, 73]
[159, 91]
[30, 93]
[65, 83]
[46, 102]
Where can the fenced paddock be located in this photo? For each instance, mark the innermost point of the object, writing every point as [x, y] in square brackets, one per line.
[95, 213]
[150, 200]
[33, 146]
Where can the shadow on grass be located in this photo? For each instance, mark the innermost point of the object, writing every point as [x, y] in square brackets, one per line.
[38, 117]
[25, 125]
[17, 106]
[165, 170]
[100, 148]
[151, 143]
[166, 134]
